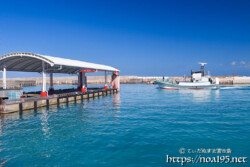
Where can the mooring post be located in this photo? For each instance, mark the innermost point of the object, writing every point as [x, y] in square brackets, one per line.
[47, 103]
[35, 105]
[21, 107]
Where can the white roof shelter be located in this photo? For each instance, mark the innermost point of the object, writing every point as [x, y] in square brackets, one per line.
[30, 62]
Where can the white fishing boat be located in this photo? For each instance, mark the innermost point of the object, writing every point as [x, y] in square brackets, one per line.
[199, 80]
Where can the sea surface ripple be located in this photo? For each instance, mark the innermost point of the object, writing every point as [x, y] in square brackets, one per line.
[137, 127]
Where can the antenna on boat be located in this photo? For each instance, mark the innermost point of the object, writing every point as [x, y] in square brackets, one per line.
[202, 68]
[202, 64]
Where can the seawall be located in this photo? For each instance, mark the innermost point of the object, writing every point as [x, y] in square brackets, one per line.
[73, 80]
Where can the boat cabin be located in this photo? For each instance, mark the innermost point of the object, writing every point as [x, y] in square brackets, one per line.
[202, 75]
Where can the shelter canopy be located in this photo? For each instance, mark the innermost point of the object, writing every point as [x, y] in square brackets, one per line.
[30, 62]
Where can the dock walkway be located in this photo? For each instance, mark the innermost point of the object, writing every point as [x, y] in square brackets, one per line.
[66, 96]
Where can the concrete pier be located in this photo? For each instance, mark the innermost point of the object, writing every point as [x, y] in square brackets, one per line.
[32, 103]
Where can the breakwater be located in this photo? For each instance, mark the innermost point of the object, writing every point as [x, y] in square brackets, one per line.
[73, 80]
[17, 83]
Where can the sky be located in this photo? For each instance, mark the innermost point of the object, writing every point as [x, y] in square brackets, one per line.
[140, 37]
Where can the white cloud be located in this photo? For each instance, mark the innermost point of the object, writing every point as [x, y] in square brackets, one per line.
[243, 62]
[233, 63]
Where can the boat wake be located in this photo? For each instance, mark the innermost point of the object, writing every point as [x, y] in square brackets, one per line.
[236, 87]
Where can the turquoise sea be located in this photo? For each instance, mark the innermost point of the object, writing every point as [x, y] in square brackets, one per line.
[138, 127]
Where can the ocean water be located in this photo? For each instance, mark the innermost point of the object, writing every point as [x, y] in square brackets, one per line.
[137, 127]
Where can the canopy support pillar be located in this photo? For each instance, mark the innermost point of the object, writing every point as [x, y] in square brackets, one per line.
[44, 92]
[80, 80]
[4, 78]
[106, 85]
[84, 88]
[51, 89]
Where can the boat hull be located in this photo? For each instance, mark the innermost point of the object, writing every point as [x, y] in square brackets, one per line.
[197, 86]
